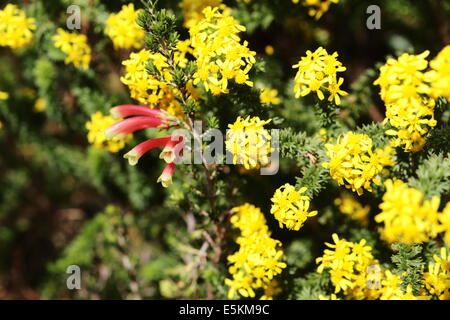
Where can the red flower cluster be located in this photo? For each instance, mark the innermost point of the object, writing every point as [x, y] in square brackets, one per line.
[142, 117]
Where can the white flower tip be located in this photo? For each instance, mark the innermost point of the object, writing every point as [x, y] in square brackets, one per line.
[132, 158]
[167, 155]
[165, 180]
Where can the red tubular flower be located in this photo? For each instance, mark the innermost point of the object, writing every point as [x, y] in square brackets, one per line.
[169, 144]
[127, 110]
[137, 152]
[130, 125]
[148, 118]
[166, 177]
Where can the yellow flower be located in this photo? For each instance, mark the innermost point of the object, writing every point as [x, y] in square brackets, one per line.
[249, 142]
[258, 259]
[331, 297]
[404, 88]
[406, 216]
[444, 219]
[390, 286]
[443, 260]
[248, 219]
[317, 72]
[240, 284]
[348, 205]
[40, 105]
[269, 96]
[75, 46]
[269, 50]
[316, 8]
[192, 10]
[352, 267]
[149, 90]
[357, 274]
[408, 295]
[123, 30]
[219, 55]
[290, 207]
[96, 135]
[437, 278]
[353, 162]
[16, 30]
[440, 74]
[144, 87]
[4, 95]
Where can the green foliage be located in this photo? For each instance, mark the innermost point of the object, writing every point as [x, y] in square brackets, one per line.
[299, 146]
[299, 254]
[432, 176]
[376, 132]
[311, 286]
[313, 177]
[408, 265]
[159, 26]
[257, 14]
[100, 250]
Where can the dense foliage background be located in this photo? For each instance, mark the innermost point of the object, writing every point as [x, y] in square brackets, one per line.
[66, 202]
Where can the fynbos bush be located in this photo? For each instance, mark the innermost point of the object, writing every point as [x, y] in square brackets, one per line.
[225, 149]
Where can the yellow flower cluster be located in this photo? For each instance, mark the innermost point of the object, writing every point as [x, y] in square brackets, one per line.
[444, 219]
[437, 278]
[440, 74]
[354, 164]
[404, 89]
[316, 8]
[269, 96]
[219, 54]
[123, 30]
[75, 46]
[407, 217]
[258, 259]
[352, 267]
[349, 206]
[149, 90]
[16, 30]
[249, 142]
[290, 207]
[436, 282]
[248, 219]
[390, 289]
[357, 274]
[192, 10]
[317, 71]
[96, 135]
